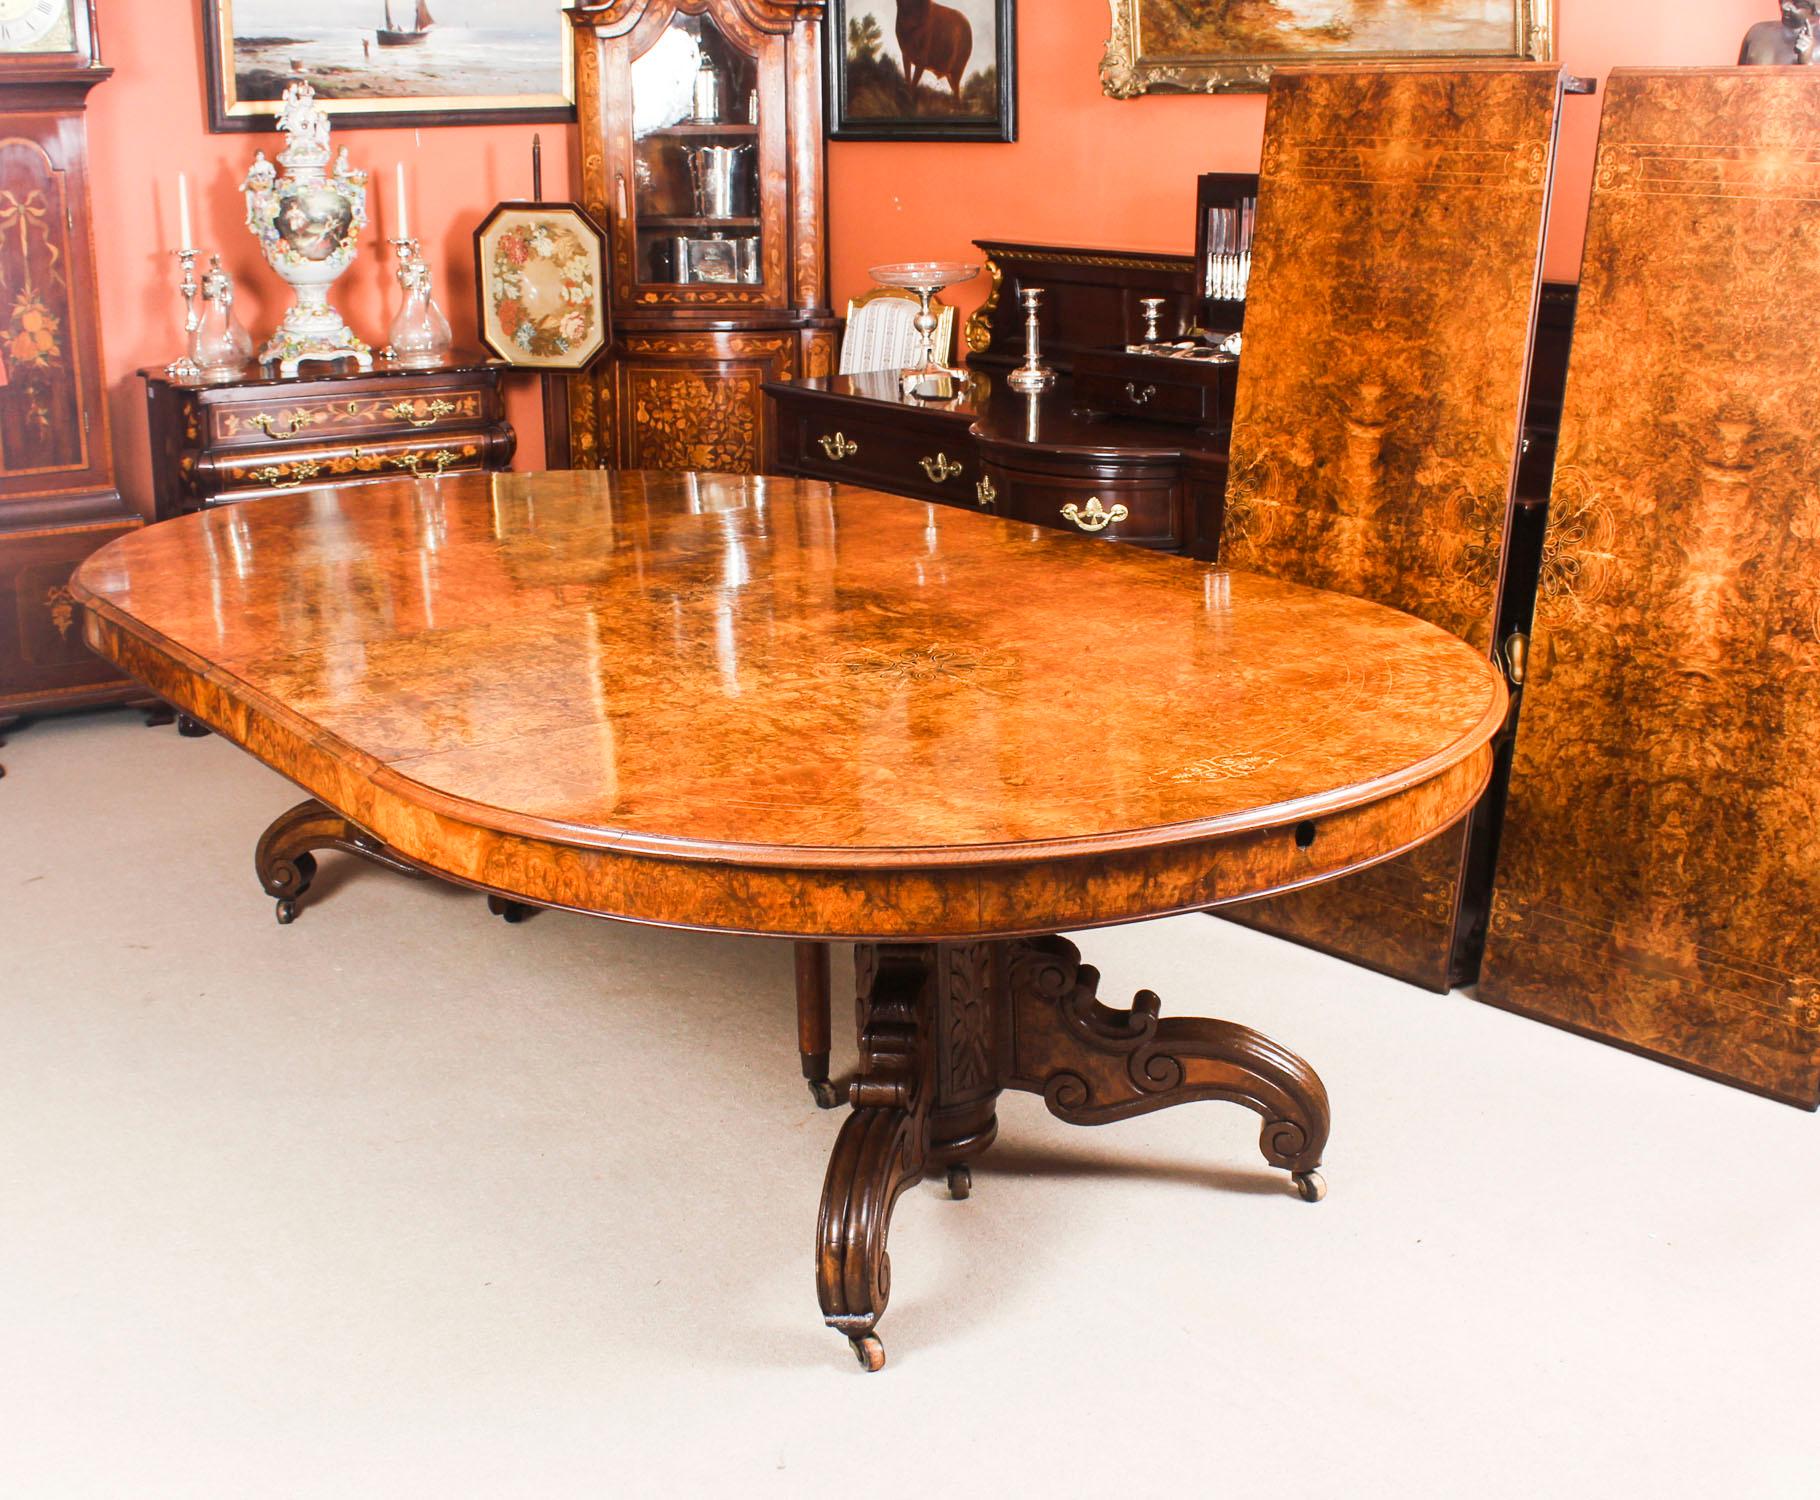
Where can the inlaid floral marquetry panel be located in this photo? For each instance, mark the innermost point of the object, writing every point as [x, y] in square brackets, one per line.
[1375, 429]
[1661, 872]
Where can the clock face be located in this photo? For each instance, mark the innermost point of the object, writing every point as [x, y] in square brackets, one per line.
[36, 26]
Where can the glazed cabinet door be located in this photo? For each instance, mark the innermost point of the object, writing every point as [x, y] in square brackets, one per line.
[694, 162]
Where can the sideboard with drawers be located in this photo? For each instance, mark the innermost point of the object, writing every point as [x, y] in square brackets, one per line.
[1030, 458]
[262, 434]
[1037, 458]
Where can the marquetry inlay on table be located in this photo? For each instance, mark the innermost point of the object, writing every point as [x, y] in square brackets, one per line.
[809, 711]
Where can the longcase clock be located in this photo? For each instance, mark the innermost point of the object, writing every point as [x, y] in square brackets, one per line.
[58, 501]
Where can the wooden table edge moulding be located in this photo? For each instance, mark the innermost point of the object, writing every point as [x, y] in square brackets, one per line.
[1269, 736]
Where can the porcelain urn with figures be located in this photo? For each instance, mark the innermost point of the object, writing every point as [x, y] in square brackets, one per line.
[308, 221]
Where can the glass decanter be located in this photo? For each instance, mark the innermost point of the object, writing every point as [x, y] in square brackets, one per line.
[420, 333]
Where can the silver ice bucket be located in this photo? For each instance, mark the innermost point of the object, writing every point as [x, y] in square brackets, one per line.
[714, 173]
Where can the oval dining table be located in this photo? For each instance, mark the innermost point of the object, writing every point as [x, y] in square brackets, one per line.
[810, 711]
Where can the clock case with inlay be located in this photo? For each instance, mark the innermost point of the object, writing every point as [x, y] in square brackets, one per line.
[58, 498]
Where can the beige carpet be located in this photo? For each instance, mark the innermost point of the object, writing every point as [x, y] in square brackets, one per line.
[403, 1201]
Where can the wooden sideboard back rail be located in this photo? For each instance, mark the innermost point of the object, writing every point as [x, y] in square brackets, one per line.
[1375, 439]
[1659, 874]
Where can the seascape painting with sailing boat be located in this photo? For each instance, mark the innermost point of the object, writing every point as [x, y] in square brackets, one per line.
[393, 55]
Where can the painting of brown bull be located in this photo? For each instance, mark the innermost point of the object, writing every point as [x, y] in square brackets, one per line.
[924, 70]
[936, 39]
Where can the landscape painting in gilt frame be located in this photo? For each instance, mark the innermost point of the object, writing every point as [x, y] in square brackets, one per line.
[390, 62]
[1219, 46]
[922, 70]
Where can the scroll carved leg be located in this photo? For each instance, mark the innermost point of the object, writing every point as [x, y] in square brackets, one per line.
[286, 866]
[814, 1019]
[944, 1027]
[1093, 1064]
[882, 1149]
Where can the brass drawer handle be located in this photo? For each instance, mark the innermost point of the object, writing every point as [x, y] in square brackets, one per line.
[986, 493]
[941, 468]
[416, 463]
[1140, 395]
[294, 424]
[839, 446]
[406, 411]
[1094, 516]
[286, 476]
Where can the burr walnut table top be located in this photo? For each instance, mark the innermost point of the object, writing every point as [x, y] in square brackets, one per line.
[787, 707]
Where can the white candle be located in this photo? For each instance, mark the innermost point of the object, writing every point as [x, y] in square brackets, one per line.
[404, 219]
[183, 211]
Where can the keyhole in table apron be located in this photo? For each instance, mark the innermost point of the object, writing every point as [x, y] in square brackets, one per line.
[1304, 835]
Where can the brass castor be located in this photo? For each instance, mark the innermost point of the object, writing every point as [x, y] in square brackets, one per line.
[287, 911]
[190, 729]
[869, 1350]
[1311, 1185]
[507, 909]
[823, 1092]
[960, 1180]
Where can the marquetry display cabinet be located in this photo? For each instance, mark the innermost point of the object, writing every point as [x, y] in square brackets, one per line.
[701, 146]
[263, 434]
[58, 500]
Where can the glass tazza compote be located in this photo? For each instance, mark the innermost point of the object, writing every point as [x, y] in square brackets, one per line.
[927, 278]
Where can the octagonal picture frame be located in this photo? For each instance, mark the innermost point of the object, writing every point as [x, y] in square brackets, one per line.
[540, 277]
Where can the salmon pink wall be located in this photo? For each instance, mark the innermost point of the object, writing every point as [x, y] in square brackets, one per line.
[1085, 169]
[1096, 171]
[149, 122]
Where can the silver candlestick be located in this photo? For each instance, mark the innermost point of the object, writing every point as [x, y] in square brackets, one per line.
[1033, 374]
[186, 367]
[1153, 312]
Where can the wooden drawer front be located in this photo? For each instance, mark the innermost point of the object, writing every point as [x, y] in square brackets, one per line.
[1154, 396]
[231, 476]
[327, 419]
[937, 464]
[1127, 510]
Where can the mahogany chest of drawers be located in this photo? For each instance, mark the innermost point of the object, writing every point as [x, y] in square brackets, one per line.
[262, 434]
[859, 430]
[1026, 458]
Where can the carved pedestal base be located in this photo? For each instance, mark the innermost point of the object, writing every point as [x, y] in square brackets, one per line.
[284, 861]
[945, 1027]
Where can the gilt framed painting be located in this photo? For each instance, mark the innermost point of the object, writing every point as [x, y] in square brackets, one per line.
[1226, 46]
[921, 70]
[390, 62]
[541, 272]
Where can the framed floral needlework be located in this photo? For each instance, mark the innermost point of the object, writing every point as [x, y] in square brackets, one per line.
[541, 271]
